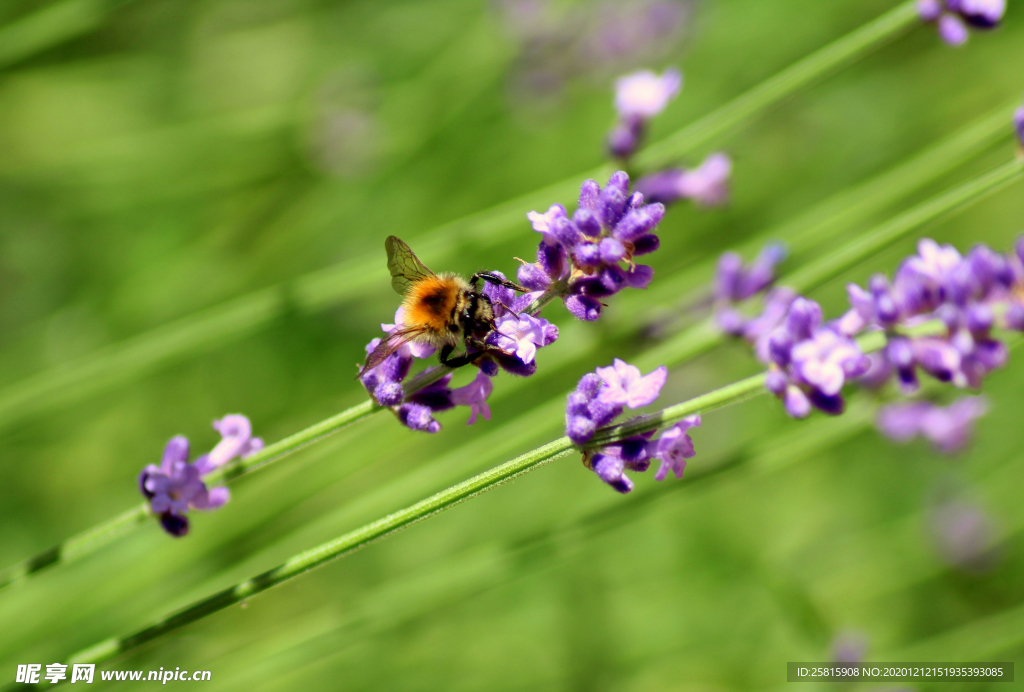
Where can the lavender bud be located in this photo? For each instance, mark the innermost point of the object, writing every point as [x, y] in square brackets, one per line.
[803, 318]
[952, 30]
[776, 382]
[625, 137]
[583, 307]
[590, 195]
[587, 222]
[929, 10]
[639, 222]
[646, 244]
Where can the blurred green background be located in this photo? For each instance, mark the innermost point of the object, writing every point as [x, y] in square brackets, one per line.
[160, 157]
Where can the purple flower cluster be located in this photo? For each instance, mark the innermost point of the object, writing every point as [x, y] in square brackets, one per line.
[600, 398]
[638, 98]
[809, 362]
[707, 185]
[176, 486]
[952, 17]
[949, 428]
[965, 292]
[590, 255]
[516, 338]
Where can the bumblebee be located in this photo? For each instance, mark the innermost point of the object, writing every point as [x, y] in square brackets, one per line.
[443, 310]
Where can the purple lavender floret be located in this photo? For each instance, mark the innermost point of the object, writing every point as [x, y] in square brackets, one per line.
[735, 282]
[475, 396]
[707, 185]
[810, 362]
[952, 29]
[638, 98]
[611, 462]
[236, 442]
[674, 447]
[948, 428]
[981, 14]
[176, 486]
[952, 17]
[590, 256]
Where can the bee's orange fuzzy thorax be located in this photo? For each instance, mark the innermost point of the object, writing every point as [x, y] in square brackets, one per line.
[429, 302]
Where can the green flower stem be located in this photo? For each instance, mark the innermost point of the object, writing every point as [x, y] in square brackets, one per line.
[840, 52]
[819, 228]
[98, 536]
[439, 502]
[834, 264]
[391, 523]
[315, 291]
[688, 344]
[704, 336]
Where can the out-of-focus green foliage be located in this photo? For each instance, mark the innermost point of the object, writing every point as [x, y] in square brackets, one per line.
[158, 157]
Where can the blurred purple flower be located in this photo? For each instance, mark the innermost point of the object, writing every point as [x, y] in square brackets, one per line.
[638, 98]
[645, 94]
[707, 185]
[963, 535]
[953, 16]
[236, 441]
[948, 428]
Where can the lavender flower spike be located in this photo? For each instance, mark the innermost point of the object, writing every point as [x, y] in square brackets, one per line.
[707, 185]
[674, 447]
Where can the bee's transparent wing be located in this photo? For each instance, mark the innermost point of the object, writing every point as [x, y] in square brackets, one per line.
[388, 345]
[405, 267]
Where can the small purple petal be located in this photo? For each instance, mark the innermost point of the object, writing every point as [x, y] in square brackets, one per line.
[645, 94]
[174, 524]
[175, 450]
[952, 30]
[583, 307]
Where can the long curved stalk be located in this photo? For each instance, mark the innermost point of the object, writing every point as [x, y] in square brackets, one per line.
[437, 503]
[684, 346]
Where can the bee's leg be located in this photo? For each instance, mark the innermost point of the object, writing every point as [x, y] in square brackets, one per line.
[497, 281]
[457, 361]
